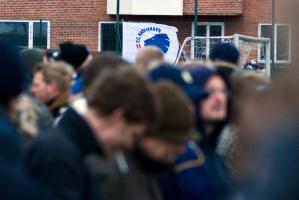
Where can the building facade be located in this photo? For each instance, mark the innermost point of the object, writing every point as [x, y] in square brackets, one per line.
[44, 23]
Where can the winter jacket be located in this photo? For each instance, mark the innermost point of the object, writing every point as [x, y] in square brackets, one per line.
[57, 159]
[15, 185]
[10, 146]
[199, 175]
[121, 178]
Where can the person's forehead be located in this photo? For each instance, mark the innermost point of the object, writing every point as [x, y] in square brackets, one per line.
[215, 80]
[39, 77]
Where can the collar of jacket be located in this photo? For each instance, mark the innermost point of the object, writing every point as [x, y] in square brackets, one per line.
[55, 104]
[80, 133]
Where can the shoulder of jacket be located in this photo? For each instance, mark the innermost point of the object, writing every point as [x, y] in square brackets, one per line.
[197, 160]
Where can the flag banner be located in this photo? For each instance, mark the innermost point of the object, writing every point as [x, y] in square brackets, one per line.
[138, 35]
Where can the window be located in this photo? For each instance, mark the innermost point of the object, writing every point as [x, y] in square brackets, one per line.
[107, 36]
[40, 32]
[211, 29]
[26, 34]
[282, 45]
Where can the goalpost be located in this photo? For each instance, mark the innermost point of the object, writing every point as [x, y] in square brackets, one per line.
[253, 51]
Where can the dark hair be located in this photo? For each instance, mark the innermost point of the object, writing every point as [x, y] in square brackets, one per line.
[100, 63]
[122, 89]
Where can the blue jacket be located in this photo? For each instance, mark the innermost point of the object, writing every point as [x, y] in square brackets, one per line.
[77, 85]
[198, 175]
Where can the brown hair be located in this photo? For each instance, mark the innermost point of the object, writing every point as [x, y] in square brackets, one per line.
[100, 63]
[58, 72]
[125, 89]
[175, 119]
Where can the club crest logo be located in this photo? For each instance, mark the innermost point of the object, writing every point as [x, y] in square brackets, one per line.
[152, 36]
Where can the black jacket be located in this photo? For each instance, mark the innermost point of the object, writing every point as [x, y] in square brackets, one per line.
[15, 185]
[57, 158]
[10, 145]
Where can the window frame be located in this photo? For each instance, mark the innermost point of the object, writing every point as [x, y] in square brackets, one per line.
[100, 31]
[30, 30]
[208, 25]
[275, 43]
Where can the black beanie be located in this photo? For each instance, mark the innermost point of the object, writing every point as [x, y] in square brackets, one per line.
[12, 73]
[74, 54]
[225, 52]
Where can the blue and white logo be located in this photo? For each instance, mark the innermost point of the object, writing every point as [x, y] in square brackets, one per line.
[137, 35]
[160, 40]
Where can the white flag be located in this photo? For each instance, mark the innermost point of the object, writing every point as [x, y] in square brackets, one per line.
[138, 35]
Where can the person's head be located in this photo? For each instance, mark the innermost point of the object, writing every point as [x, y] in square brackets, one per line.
[225, 58]
[214, 107]
[51, 80]
[173, 127]
[74, 54]
[100, 63]
[225, 53]
[120, 105]
[12, 75]
[148, 57]
[32, 57]
[180, 78]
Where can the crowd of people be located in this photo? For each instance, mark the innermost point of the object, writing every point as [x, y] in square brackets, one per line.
[81, 126]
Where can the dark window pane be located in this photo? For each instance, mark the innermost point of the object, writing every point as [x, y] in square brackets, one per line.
[215, 30]
[108, 36]
[282, 42]
[16, 32]
[202, 30]
[40, 32]
[200, 45]
[266, 32]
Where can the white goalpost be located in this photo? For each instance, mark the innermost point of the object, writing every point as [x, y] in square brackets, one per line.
[254, 51]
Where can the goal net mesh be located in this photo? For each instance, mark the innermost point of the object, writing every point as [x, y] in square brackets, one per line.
[251, 50]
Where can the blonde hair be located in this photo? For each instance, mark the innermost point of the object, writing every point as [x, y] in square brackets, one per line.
[59, 72]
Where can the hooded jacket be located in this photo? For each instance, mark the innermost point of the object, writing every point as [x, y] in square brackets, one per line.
[199, 173]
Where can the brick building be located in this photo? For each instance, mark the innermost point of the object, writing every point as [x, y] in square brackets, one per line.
[91, 22]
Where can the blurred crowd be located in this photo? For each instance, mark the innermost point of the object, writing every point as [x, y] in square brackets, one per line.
[76, 125]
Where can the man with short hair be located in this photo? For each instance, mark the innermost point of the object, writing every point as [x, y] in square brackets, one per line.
[51, 84]
[152, 154]
[118, 111]
[148, 57]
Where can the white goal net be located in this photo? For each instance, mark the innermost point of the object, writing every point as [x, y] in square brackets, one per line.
[254, 51]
